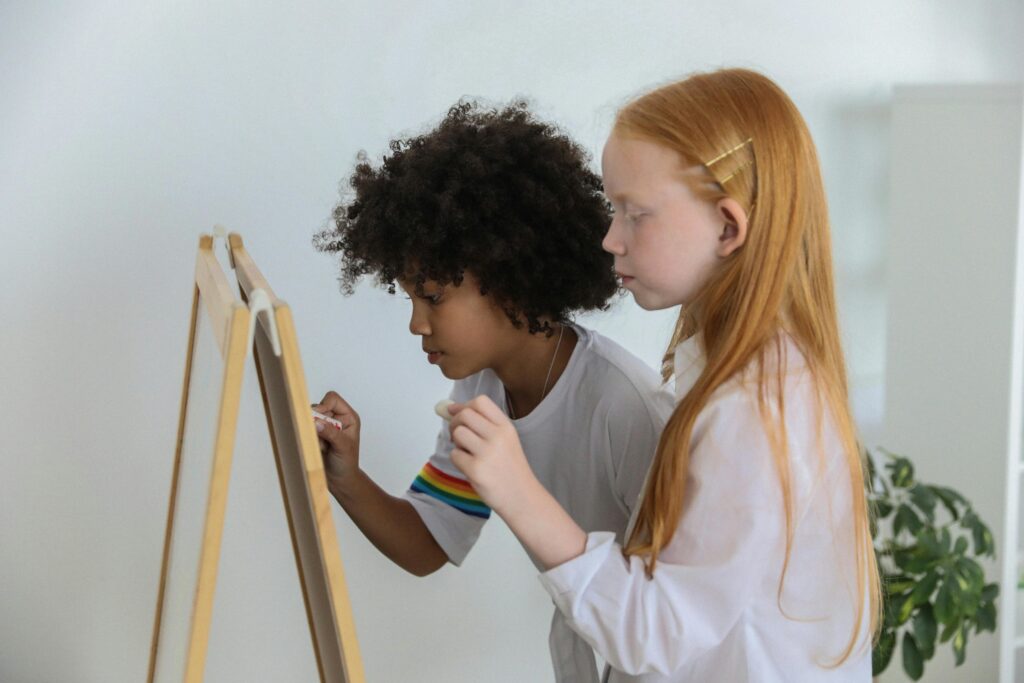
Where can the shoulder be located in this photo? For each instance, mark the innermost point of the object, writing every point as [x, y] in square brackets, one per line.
[608, 357]
[620, 384]
[742, 411]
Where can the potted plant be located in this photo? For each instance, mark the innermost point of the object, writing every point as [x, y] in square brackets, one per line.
[927, 539]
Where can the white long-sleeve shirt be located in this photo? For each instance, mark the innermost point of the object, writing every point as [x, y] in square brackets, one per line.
[711, 611]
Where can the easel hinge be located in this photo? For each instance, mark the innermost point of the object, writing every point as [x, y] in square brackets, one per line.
[259, 303]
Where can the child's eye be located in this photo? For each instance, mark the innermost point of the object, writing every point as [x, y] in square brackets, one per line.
[432, 299]
[635, 217]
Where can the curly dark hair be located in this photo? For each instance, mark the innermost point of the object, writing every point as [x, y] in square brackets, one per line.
[495, 192]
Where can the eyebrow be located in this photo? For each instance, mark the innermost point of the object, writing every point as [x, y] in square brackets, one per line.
[619, 196]
[413, 287]
[627, 198]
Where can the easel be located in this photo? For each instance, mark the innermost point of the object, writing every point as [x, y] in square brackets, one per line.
[189, 573]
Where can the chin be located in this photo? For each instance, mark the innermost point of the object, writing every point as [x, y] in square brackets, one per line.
[455, 373]
[652, 303]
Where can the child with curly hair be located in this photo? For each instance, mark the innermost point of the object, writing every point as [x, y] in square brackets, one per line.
[492, 224]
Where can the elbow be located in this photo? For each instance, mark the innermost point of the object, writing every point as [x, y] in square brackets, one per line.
[645, 663]
[640, 666]
[660, 649]
[423, 569]
[427, 563]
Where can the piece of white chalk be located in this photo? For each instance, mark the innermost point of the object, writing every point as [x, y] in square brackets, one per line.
[442, 409]
[326, 418]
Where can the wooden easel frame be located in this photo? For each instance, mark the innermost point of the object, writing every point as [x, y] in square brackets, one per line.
[230, 321]
[296, 451]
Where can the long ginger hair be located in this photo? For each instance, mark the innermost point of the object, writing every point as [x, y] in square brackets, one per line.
[754, 147]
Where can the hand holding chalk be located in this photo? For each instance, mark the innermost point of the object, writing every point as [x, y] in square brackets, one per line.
[329, 420]
[337, 428]
[442, 409]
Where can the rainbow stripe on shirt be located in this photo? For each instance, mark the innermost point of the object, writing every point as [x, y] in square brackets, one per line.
[450, 490]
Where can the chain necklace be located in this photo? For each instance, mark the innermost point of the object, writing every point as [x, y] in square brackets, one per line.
[544, 391]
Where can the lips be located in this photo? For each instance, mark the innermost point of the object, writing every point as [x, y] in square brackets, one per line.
[432, 356]
[625, 279]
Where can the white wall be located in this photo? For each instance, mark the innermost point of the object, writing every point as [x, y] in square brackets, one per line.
[126, 129]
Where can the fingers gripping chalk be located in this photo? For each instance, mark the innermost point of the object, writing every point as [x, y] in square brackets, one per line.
[329, 420]
[442, 409]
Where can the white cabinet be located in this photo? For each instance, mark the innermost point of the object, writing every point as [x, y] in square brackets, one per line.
[955, 337]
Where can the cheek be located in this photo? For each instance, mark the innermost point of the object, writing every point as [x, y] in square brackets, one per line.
[470, 329]
[657, 249]
[675, 259]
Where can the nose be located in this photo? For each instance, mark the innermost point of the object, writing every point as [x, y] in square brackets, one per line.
[418, 323]
[612, 242]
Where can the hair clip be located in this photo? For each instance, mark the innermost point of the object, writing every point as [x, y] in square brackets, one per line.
[739, 168]
[727, 153]
[723, 155]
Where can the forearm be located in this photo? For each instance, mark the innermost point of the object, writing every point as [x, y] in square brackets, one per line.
[390, 523]
[545, 528]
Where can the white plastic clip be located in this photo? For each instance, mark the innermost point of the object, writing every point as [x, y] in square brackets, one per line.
[220, 233]
[259, 303]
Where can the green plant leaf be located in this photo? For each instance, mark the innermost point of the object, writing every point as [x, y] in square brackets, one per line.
[949, 629]
[929, 547]
[904, 608]
[973, 572]
[924, 588]
[990, 544]
[899, 584]
[949, 499]
[968, 602]
[913, 664]
[971, 581]
[914, 560]
[947, 541]
[901, 472]
[987, 617]
[924, 499]
[960, 644]
[945, 607]
[925, 631]
[963, 585]
[983, 542]
[990, 592]
[883, 508]
[907, 519]
[961, 545]
[882, 652]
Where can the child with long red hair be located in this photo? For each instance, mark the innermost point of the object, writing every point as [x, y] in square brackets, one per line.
[750, 556]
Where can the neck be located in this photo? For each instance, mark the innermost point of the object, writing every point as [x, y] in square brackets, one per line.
[524, 371]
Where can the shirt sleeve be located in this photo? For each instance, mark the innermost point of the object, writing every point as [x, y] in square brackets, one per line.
[705, 578]
[445, 501]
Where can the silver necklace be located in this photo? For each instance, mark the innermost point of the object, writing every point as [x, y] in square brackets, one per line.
[544, 391]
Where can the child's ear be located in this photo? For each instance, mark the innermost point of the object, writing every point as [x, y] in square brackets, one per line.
[734, 228]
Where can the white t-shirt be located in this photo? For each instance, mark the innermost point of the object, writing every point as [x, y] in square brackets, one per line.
[589, 442]
[711, 610]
